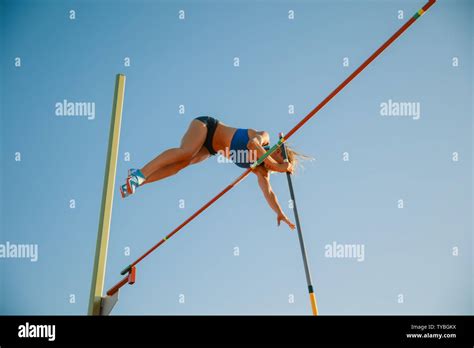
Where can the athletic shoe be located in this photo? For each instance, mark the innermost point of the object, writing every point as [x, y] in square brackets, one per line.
[135, 178]
[124, 191]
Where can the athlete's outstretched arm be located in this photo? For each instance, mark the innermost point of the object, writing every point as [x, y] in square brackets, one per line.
[263, 178]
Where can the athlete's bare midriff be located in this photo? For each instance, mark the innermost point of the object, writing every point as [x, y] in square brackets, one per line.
[223, 137]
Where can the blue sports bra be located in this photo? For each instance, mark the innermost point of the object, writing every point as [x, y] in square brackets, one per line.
[238, 147]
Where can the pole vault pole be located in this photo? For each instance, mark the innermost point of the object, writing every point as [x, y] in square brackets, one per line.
[312, 296]
[331, 95]
[98, 273]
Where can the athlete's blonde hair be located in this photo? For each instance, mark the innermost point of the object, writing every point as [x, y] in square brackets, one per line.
[295, 157]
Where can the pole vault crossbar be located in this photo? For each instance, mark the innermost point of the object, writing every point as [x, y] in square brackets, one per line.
[331, 95]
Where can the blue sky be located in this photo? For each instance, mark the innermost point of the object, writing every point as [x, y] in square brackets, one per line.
[408, 251]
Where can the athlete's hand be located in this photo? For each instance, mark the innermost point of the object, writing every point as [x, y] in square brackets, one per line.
[282, 217]
[288, 168]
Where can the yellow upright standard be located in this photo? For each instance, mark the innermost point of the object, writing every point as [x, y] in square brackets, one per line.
[100, 260]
